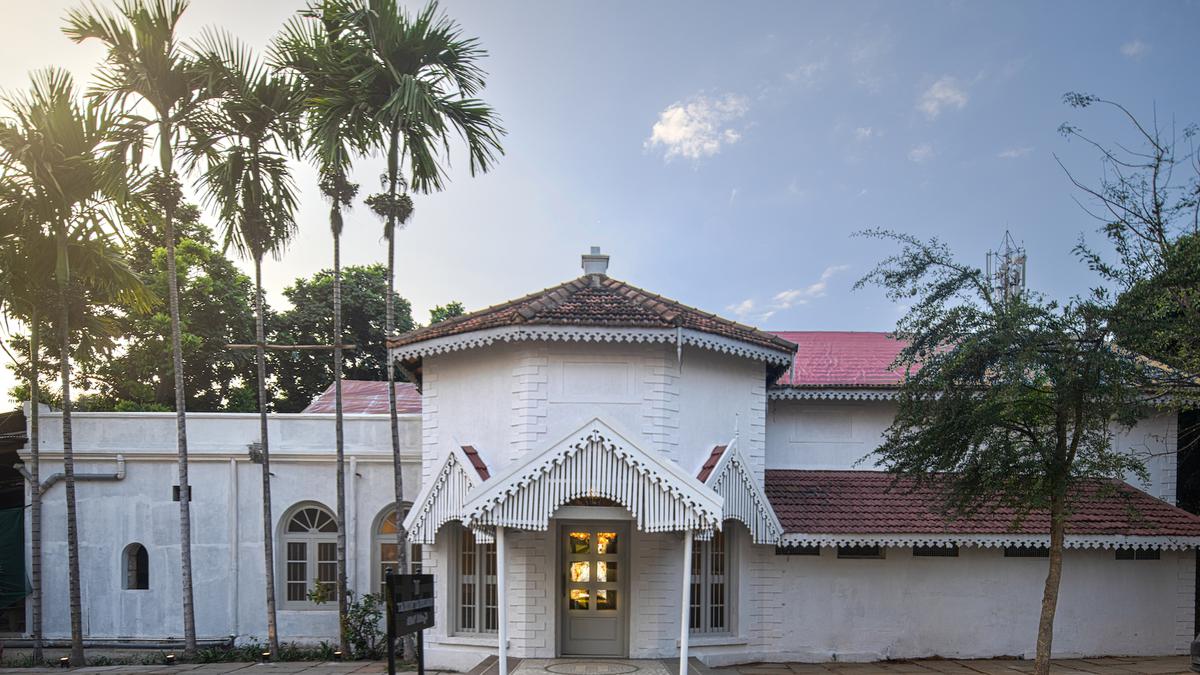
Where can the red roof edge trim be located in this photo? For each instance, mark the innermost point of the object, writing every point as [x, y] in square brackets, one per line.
[711, 463]
[476, 461]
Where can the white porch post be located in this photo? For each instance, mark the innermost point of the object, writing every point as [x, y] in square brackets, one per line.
[685, 602]
[502, 600]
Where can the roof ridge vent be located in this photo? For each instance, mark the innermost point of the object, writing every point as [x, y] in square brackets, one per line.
[595, 263]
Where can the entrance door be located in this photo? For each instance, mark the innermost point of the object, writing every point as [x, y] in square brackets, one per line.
[595, 598]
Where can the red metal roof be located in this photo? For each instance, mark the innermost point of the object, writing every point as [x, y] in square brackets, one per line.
[841, 359]
[595, 301]
[874, 502]
[368, 397]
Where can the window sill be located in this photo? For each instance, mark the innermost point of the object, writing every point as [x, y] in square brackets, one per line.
[716, 640]
[477, 640]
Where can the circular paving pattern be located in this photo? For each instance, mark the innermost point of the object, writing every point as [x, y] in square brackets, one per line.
[591, 668]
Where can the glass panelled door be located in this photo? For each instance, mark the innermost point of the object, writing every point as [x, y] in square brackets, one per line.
[594, 587]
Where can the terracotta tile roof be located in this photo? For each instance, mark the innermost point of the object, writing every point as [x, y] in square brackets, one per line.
[868, 502]
[476, 461]
[595, 301]
[841, 359]
[710, 463]
[368, 397]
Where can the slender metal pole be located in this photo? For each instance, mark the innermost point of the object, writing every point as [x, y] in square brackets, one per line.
[685, 602]
[502, 599]
[421, 652]
[389, 602]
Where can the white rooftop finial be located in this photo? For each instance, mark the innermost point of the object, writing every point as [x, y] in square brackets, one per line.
[595, 262]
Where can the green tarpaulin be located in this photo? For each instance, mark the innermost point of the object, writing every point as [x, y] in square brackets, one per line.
[13, 584]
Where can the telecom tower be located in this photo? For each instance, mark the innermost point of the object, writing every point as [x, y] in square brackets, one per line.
[1006, 269]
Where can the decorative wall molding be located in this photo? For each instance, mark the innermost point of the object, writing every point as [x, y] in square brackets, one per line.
[830, 394]
[743, 497]
[489, 336]
[596, 461]
[1100, 541]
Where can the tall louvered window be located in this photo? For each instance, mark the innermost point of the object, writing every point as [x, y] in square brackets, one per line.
[712, 584]
[477, 593]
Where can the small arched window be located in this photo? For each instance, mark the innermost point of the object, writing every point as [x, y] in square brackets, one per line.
[310, 556]
[136, 563]
[386, 550]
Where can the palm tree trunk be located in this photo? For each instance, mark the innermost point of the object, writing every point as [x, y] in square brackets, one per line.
[339, 439]
[35, 490]
[389, 326]
[268, 539]
[1045, 638]
[64, 338]
[185, 488]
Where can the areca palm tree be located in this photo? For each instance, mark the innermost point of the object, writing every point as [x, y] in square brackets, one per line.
[422, 83]
[57, 152]
[146, 65]
[338, 125]
[251, 129]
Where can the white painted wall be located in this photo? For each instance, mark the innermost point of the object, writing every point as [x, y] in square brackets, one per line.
[978, 605]
[228, 570]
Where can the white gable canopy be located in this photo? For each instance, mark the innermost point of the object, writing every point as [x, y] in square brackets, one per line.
[442, 498]
[595, 461]
[743, 497]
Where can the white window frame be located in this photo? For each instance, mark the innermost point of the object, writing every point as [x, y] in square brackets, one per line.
[704, 575]
[379, 539]
[313, 541]
[484, 580]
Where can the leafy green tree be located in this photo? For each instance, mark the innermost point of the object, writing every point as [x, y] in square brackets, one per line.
[422, 88]
[447, 311]
[250, 131]
[57, 151]
[300, 376]
[145, 65]
[1005, 403]
[216, 309]
[1147, 200]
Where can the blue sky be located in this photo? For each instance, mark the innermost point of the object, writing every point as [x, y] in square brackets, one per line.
[723, 154]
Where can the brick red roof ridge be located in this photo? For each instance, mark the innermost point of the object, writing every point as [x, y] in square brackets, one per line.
[837, 502]
[477, 462]
[711, 462]
[582, 302]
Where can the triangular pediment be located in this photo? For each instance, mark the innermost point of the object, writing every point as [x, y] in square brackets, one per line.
[442, 497]
[743, 498]
[596, 461]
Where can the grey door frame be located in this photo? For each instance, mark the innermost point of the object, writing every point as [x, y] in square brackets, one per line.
[580, 522]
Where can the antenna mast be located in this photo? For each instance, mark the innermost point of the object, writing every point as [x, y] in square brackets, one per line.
[1006, 269]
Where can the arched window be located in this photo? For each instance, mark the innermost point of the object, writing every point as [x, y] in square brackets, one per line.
[310, 556]
[136, 563]
[385, 549]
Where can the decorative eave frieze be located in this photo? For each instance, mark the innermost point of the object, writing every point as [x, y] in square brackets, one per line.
[1091, 541]
[441, 498]
[743, 498]
[831, 394]
[595, 461]
[504, 334]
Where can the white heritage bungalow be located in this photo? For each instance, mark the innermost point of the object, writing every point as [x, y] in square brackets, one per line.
[596, 470]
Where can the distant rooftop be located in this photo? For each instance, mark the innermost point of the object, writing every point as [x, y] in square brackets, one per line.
[368, 397]
[841, 359]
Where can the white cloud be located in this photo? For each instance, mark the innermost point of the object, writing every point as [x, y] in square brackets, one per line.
[1014, 153]
[807, 74]
[750, 310]
[862, 134]
[1135, 49]
[920, 153]
[699, 127]
[943, 94]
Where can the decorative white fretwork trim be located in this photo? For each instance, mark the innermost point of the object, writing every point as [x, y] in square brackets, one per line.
[830, 394]
[744, 499]
[1106, 541]
[595, 461]
[489, 336]
[441, 499]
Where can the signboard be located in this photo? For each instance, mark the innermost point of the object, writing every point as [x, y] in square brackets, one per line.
[412, 602]
[409, 600]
